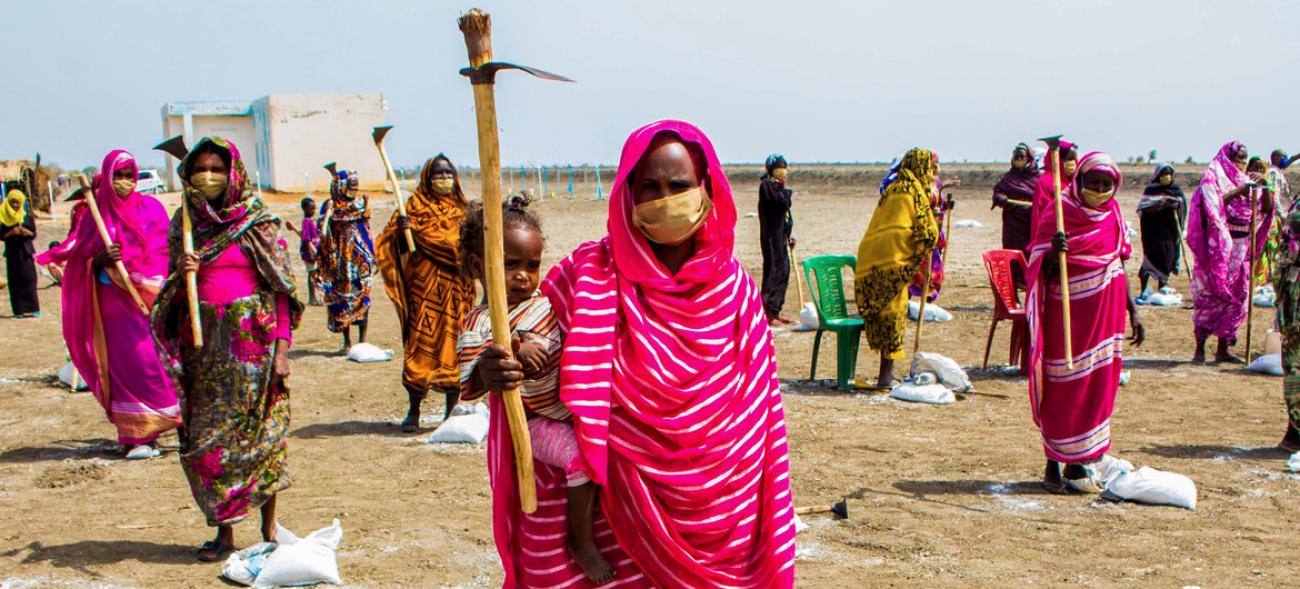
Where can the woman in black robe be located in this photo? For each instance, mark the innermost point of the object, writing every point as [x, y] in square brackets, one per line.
[1014, 194]
[18, 229]
[775, 225]
[1162, 212]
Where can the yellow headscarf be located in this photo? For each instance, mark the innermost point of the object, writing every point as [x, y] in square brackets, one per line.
[8, 216]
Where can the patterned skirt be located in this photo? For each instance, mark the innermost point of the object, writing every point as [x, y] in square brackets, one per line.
[234, 445]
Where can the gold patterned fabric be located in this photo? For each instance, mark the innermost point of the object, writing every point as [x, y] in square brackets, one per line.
[901, 233]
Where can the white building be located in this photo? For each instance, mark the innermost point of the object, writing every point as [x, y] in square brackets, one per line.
[285, 139]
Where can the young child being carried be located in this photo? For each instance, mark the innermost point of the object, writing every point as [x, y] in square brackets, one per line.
[537, 340]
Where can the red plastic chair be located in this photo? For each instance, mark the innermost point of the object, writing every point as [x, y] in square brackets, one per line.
[1006, 303]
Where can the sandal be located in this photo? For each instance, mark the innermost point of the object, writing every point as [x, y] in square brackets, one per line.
[212, 551]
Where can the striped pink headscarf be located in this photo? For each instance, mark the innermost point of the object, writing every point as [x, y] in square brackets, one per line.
[1072, 408]
[673, 386]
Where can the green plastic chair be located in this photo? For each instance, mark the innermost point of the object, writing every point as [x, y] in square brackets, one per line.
[833, 314]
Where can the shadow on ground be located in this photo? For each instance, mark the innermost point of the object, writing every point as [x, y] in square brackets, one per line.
[65, 449]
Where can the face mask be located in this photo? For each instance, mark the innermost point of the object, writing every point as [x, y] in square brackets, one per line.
[1019, 164]
[779, 173]
[123, 186]
[673, 220]
[443, 186]
[209, 184]
[1070, 167]
[1166, 180]
[1095, 200]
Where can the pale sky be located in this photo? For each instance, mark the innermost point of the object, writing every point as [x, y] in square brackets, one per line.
[817, 81]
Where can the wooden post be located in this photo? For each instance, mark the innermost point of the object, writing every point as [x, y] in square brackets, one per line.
[1250, 267]
[477, 27]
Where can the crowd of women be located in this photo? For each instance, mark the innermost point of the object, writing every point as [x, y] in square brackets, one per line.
[645, 358]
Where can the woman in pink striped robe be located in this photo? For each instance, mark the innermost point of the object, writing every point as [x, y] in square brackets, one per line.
[670, 372]
[1072, 406]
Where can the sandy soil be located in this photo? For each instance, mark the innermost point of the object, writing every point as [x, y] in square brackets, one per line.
[940, 496]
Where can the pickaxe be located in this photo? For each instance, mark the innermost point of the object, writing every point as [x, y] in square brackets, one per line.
[477, 28]
[840, 509]
[333, 169]
[175, 147]
[378, 135]
[108, 241]
[1054, 147]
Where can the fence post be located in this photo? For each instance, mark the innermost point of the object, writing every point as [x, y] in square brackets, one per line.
[600, 189]
[570, 181]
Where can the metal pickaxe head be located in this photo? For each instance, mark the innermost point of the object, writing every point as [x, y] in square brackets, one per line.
[174, 147]
[477, 27]
[841, 509]
[333, 168]
[1052, 141]
[379, 133]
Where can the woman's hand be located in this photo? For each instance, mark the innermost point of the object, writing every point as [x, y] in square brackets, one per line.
[497, 371]
[1060, 243]
[108, 257]
[188, 263]
[403, 225]
[1139, 330]
[280, 366]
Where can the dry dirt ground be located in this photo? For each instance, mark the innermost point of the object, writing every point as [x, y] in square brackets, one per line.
[940, 495]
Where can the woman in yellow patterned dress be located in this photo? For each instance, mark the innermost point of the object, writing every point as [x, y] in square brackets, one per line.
[900, 236]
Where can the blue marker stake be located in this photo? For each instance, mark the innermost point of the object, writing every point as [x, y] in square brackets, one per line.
[600, 189]
[570, 181]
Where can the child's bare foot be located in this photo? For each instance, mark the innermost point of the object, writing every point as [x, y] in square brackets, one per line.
[589, 559]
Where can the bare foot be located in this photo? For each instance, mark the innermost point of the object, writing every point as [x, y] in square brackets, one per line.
[593, 565]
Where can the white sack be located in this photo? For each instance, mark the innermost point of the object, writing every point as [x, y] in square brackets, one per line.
[1267, 364]
[366, 352]
[469, 427]
[944, 368]
[933, 312]
[936, 394]
[1156, 487]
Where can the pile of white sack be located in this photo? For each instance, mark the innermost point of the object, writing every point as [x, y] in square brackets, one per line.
[1165, 297]
[70, 378]
[290, 561]
[968, 224]
[933, 312]
[468, 424]
[808, 319]
[1271, 362]
[934, 379]
[1119, 481]
[1265, 297]
[365, 352]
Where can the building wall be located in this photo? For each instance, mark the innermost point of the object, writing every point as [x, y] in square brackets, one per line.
[237, 129]
[306, 131]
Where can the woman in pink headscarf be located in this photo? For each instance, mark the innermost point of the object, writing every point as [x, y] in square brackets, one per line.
[670, 372]
[107, 334]
[1072, 406]
[1218, 233]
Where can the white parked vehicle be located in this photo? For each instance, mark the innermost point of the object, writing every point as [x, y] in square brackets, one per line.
[150, 182]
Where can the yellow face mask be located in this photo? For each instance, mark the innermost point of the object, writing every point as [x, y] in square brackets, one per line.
[1095, 200]
[1070, 166]
[674, 219]
[209, 184]
[1166, 179]
[123, 186]
[1019, 164]
[779, 173]
[443, 186]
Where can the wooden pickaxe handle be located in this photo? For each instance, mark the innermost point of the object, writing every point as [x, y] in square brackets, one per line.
[397, 188]
[1062, 259]
[108, 242]
[191, 278]
[477, 27]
